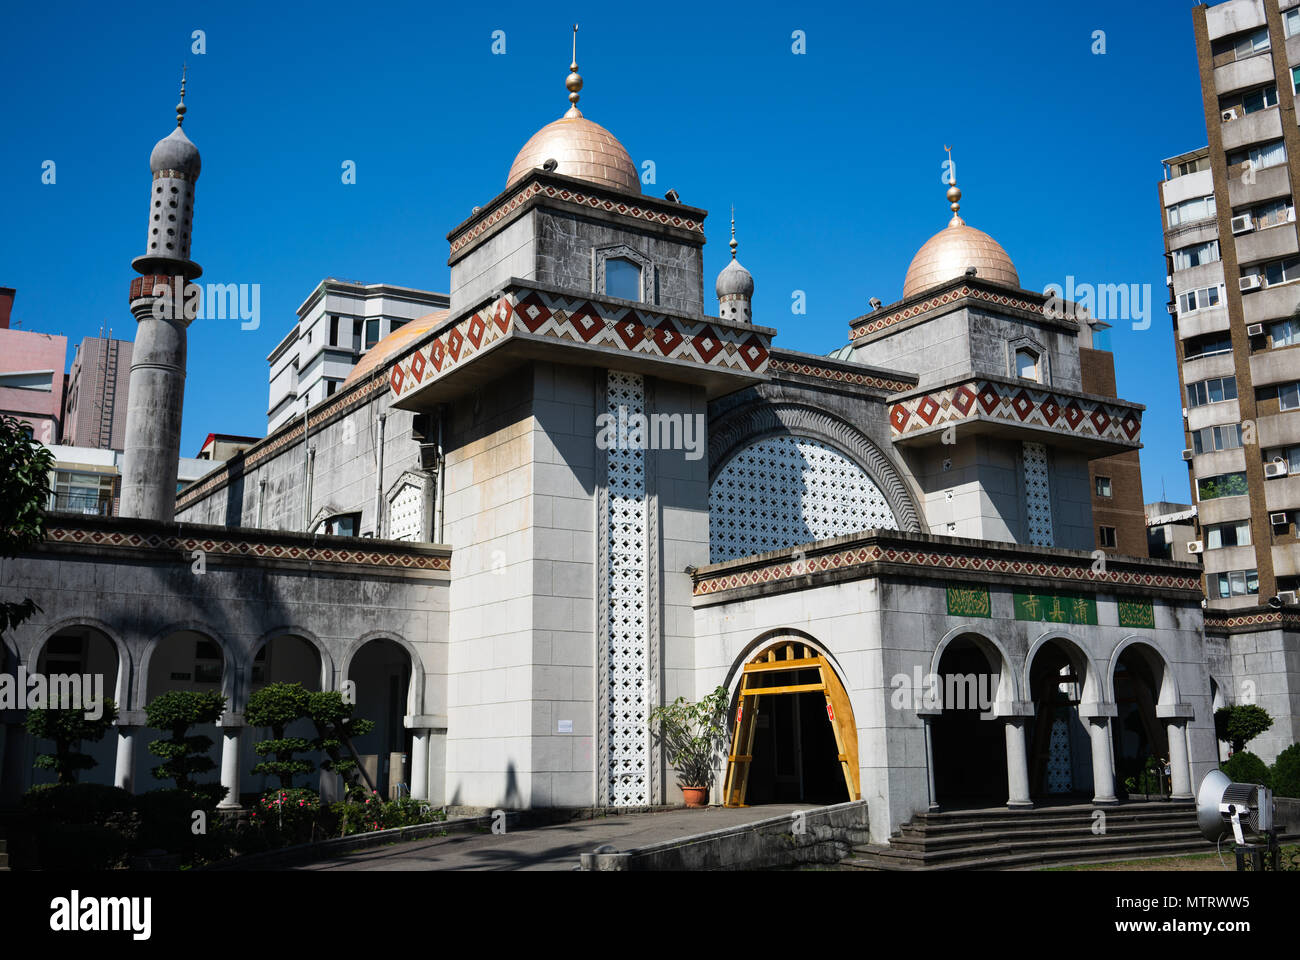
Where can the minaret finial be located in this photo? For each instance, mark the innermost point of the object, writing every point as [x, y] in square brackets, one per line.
[733, 231]
[954, 193]
[574, 80]
[180, 107]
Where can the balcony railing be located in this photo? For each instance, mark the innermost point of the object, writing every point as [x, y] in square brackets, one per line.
[81, 503]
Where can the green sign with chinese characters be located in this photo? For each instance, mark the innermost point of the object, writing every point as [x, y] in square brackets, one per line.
[1137, 613]
[1056, 608]
[969, 602]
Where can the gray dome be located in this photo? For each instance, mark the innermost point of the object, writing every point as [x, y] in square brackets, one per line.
[176, 152]
[735, 280]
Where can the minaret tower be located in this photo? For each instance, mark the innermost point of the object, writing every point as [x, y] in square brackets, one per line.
[735, 286]
[157, 391]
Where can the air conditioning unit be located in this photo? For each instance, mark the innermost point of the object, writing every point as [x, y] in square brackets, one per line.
[1187, 454]
[1184, 413]
[1169, 279]
[1255, 330]
[1229, 115]
[1195, 546]
[1288, 597]
[1243, 224]
[1172, 308]
[1290, 214]
[1277, 519]
[1275, 469]
[1252, 282]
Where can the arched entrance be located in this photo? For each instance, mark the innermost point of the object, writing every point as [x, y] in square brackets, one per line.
[381, 672]
[794, 738]
[87, 653]
[1060, 754]
[283, 658]
[1139, 734]
[183, 659]
[968, 740]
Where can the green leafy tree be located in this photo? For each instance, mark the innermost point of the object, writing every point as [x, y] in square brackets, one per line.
[1245, 767]
[68, 727]
[694, 734]
[276, 706]
[1238, 725]
[184, 755]
[24, 491]
[1285, 776]
[335, 729]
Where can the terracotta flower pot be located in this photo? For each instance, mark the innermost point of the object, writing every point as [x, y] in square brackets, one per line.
[696, 796]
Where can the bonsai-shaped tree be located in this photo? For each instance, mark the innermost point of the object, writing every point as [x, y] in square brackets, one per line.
[1238, 725]
[183, 756]
[276, 706]
[25, 468]
[694, 734]
[335, 728]
[68, 727]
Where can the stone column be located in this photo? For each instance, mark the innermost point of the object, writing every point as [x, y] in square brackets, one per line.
[124, 769]
[420, 764]
[1103, 775]
[1017, 764]
[1180, 775]
[926, 718]
[230, 757]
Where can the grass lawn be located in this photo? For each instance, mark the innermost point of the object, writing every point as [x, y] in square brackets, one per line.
[1186, 863]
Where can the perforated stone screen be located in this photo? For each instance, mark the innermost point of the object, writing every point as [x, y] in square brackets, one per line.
[784, 491]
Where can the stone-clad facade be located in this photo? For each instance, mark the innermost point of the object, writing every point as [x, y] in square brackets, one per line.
[578, 496]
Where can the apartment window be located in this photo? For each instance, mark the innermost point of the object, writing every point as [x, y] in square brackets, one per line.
[1291, 22]
[1026, 364]
[342, 525]
[1235, 583]
[1103, 487]
[1196, 255]
[1251, 43]
[1260, 99]
[1261, 157]
[1214, 390]
[1211, 439]
[372, 332]
[1285, 333]
[1295, 79]
[1223, 485]
[1272, 214]
[1193, 166]
[1288, 455]
[1200, 208]
[622, 279]
[330, 387]
[1106, 536]
[1288, 396]
[1207, 346]
[1280, 271]
[397, 325]
[334, 331]
[1201, 299]
[1220, 535]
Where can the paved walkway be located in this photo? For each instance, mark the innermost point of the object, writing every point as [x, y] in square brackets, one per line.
[555, 847]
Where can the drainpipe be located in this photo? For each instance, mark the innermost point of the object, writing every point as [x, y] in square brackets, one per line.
[306, 474]
[261, 500]
[442, 480]
[379, 481]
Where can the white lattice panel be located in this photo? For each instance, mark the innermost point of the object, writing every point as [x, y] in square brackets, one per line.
[1038, 495]
[406, 513]
[627, 694]
[784, 491]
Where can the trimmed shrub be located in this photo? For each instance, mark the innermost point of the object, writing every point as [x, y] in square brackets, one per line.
[68, 727]
[1245, 767]
[183, 756]
[77, 802]
[335, 729]
[1237, 726]
[276, 706]
[1285, 774]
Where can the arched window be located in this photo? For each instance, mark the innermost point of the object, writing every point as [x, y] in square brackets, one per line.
[1027, 365]
[622, 279]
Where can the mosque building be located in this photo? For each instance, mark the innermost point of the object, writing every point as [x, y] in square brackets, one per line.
[577, 494]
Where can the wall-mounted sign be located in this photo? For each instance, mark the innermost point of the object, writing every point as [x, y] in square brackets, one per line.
[1137, 613]
[1056, 608]
[969, 602]
[565, 726]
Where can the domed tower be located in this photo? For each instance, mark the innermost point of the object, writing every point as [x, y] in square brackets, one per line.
[735, 286]
[954, 250]
[158, 303]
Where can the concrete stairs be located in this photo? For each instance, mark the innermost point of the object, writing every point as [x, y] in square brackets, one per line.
[1002, 839]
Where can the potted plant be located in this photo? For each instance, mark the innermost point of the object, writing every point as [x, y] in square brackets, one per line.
[694, 734]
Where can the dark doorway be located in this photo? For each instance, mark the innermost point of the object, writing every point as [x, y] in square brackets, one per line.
[970, 753]
[1060, 752]
[795, 760]
[1139, 735]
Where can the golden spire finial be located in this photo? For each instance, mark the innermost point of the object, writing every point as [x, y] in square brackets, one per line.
[954, 193]
[180, 107]
[733, 231]
[574, 80]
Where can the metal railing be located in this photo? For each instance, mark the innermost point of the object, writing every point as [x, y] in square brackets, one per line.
[81, 503]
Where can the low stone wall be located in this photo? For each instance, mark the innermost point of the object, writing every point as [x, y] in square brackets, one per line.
[820, 835]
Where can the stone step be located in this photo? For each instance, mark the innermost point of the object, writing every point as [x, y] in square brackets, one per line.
[1011, 860]
[1043, 835]
[924, 829]
[931, 854]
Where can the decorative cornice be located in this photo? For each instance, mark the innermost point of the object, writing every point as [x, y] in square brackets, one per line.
[739, 428]
[836, 374]
[870, 324]
[1254, 621]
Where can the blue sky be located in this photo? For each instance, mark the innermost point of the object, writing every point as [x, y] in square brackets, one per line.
[832, 158]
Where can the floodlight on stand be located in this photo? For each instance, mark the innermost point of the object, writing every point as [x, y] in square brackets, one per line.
[1244, 809]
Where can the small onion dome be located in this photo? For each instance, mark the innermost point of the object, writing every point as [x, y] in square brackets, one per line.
[735, 281]
[176, 152]
[950, 252]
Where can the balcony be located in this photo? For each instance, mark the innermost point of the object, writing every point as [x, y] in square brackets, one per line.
[1229, 558]
[1225, 19]
[1210, 414]
[1219, 365]
[1267, 244]
[1251, 128]
[1286, 560]
[89, 504]
[1217, 462]
[1282, 494]
[1279, 430]
[1223, 510]
[1270, 303]
[1275, 366]
[1198, 184]
[1270, 183]
[1211, 320]
[1241, 74]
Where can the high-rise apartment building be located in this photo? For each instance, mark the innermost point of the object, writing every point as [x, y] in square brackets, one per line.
[94, 412]
[1233, 263]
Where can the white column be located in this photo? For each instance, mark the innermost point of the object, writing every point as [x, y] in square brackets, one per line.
[1180, 774]
[929, 762]
[124, 769]
[1017, 764]
[1103, 775]
[420, 764]
[230, 742]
